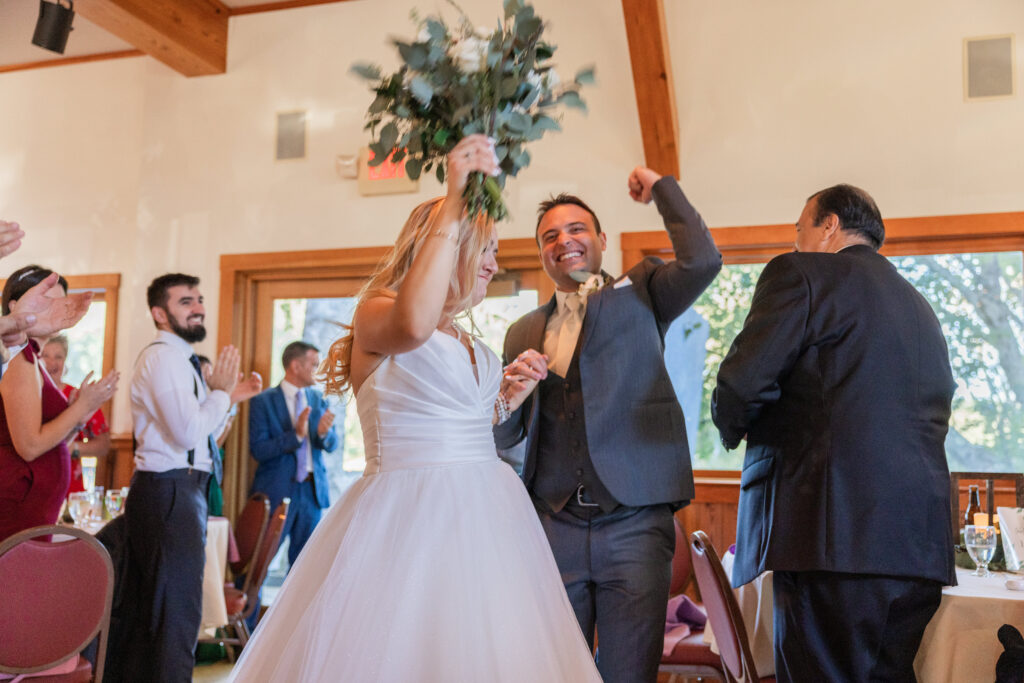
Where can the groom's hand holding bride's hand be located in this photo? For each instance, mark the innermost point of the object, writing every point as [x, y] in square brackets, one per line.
[522, 375]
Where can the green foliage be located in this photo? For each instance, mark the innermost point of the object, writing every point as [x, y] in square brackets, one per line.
[459, 81]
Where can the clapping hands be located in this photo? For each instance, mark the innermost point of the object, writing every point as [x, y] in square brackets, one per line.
[226, 377]
[36, 314]
[92, 395]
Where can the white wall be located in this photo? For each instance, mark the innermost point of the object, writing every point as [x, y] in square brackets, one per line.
[126, 166]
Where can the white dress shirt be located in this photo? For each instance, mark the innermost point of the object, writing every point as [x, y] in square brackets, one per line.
[562, 332]
[169, 418]
[290, 391]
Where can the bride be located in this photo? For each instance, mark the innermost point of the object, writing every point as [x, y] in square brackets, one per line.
[433, 566]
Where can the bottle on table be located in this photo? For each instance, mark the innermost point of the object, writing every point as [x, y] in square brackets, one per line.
[973, 505]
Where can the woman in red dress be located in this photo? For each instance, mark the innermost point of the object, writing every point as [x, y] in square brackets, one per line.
[93, 441]
[36, 421]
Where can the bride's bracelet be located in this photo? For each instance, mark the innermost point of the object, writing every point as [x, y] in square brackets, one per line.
[501, 409]
[451, 237]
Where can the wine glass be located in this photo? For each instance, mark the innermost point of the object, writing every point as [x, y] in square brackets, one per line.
[96, 511]
[79, 505]
[115, 500]
[981, 546]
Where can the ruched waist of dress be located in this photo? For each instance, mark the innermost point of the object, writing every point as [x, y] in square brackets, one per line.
[400, 451]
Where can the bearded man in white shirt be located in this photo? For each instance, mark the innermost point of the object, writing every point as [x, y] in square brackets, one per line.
[159, 607]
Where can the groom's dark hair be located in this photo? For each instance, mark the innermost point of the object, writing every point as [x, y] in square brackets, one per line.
[558, 200]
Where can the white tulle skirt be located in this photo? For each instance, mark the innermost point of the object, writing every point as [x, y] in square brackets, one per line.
[438, 574]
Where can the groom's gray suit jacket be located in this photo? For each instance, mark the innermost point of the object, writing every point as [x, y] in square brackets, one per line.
[634, 426]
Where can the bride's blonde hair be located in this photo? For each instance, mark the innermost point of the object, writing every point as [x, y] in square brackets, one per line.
[474, 236]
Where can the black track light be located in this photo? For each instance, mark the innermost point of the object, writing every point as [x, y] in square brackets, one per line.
[53, 25]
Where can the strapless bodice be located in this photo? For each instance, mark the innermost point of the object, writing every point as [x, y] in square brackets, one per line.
[426, 408]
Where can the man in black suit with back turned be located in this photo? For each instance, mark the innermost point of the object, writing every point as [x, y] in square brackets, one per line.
[607, 461]
[840, 381]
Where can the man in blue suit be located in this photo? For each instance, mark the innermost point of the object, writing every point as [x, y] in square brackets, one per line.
[289, 429]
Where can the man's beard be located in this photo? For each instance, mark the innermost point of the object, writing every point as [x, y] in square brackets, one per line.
[192, 335]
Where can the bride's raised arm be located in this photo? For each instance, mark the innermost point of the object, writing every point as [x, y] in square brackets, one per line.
[385, 325]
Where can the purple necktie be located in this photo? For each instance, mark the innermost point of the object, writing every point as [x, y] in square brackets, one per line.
[301, 455]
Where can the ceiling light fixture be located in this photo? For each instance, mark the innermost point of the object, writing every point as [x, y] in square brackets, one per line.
[53, 25]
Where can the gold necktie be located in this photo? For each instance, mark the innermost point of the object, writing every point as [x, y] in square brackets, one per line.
[568, 334]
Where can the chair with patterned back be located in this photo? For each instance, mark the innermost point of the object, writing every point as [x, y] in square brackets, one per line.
[956, 514]
[250, 527]
[57, 595]
[723, 612]
[690, 657]
[241, 603]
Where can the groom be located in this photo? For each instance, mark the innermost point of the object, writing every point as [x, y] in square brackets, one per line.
[607, 462]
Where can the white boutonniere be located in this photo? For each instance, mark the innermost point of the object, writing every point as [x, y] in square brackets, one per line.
[589, 282]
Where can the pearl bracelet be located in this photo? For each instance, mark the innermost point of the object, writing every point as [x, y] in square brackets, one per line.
[501, 410]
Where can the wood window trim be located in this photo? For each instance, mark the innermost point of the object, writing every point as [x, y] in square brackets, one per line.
[904, 236]
[979, 232]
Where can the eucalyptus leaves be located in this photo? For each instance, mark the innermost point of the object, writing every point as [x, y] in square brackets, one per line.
[457, 81]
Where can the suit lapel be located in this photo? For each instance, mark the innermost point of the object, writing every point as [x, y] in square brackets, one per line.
[533, 336]
[281, 408]
[590, 317]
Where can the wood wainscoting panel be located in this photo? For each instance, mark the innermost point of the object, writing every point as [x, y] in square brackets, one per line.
[120, 463]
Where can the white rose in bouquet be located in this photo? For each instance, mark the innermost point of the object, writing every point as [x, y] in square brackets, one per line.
[470, 54]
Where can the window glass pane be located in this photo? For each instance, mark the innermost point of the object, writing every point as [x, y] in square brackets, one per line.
[979, 300]
[695, 345]
[315, 321]
[495, 314]
[85, 345]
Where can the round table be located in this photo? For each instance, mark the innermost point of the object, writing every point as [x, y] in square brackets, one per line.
[960, 644]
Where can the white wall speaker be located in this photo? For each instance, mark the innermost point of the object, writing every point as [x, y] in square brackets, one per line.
[988, 67]
[291, 135]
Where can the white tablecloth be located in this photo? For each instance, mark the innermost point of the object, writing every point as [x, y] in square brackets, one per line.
[215, 612]
[960, 644]
[755, 601]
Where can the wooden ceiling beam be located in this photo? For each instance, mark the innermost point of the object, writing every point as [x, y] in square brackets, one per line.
[652, 79]
[190, 36]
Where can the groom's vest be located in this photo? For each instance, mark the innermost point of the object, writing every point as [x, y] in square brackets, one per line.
[563, 459]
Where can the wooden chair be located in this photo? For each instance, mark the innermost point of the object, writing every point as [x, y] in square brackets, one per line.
[723, 612]
[250, 528]
[956, 514]
[241, 603]
[57, 596]
[691, 657]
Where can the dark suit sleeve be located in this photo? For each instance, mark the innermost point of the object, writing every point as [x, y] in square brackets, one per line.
[329, 442]
[262, 441]
[764, 351]
[676, 285]
[513, 430]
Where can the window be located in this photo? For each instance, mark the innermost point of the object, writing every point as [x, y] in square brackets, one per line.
[971, 270]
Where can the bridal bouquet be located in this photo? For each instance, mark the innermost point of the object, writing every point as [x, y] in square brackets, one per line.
[459, 80]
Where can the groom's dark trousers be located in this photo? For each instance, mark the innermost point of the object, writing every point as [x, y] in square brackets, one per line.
[606, 458]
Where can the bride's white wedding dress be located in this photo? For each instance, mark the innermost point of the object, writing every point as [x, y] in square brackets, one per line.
[433, 566]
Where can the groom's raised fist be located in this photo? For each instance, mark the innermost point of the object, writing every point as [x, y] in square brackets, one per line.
[641, 180]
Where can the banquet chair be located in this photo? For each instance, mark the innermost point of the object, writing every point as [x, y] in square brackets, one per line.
[241, 603]
[723, 612]
[956, 513]
[250, 528]
[691, 657]
[56, 600]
